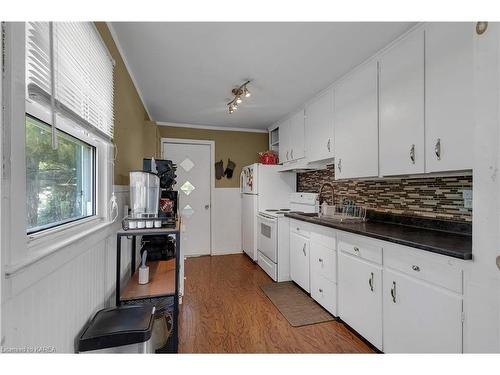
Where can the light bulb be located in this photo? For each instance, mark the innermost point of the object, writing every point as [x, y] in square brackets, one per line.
[238, 100]
[247, 93]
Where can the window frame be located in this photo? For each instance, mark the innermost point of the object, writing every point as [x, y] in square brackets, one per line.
[56, 224]
[72, 128]
[18, 249]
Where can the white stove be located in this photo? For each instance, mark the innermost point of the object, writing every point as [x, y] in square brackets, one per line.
[273, 235]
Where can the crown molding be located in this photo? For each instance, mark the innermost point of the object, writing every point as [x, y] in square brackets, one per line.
[130, 73]
[210, 127]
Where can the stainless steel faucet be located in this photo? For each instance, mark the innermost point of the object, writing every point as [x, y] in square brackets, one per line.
[331, 187]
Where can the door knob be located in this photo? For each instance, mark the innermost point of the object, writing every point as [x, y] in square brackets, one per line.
[207, 206]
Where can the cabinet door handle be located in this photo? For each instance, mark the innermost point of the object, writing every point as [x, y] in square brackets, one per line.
[415, 268]
[291, 154]
[287, 155]
[320, 290]
[393, 292]
[412, 154]
[437, 149]
[328, 145]
[356, 250]
[320, 260]
[370, 281]
[304, 249]
[339, 165]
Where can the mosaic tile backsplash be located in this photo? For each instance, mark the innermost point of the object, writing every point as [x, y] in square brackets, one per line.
[431, 197]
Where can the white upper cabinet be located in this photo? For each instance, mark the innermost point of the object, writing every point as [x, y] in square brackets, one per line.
[319, 127]
[448, 96]
[401, 79]
[285, 139]
[297, 143]
[356, 124]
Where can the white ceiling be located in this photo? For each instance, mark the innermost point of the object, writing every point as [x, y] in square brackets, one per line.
[185, 71]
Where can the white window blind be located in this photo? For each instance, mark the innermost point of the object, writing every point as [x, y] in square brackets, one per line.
[83, 72]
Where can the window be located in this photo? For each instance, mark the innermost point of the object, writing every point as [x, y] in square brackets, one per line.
[59, 183]
[69, 123]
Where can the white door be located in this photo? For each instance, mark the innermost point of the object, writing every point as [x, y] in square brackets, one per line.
[284, 152]
[419, 317]
[267, 241]
[319, 127]
[193, 185]
[297, 136]
[299, 260]
[360, 297]
[356, 124]
[401, 82]
[449, 124]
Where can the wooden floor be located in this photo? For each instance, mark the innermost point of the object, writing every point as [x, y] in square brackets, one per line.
[225, 311]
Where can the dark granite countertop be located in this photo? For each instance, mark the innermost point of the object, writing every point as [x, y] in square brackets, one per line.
[441, 242]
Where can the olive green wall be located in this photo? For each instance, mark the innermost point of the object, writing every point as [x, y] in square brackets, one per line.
[240, 147]
[135, 137]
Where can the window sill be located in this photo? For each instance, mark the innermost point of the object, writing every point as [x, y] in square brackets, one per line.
[49, 243]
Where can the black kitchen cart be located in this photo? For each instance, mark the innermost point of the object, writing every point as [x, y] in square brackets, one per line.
[163, 277]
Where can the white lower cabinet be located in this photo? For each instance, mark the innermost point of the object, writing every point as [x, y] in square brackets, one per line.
[323, 264]
[324, 292]
[420, 317]
[360, 297]
[299, 260]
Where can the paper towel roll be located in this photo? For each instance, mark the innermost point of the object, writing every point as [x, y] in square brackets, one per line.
[143, 275]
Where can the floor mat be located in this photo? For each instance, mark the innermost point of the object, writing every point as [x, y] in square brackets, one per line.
[295, 305]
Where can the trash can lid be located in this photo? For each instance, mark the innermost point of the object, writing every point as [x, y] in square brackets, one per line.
[117, 326]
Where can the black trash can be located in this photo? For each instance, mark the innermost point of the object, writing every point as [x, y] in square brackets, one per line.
[124, 329]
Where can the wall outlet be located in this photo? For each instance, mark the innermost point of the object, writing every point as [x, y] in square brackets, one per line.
[467, 197]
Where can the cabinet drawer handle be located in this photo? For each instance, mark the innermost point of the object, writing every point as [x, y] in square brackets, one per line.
[370, 282]
[393, 292]
[356, 250]
[412, 154]
[320, 260]
[437, 149]
[339, 165]
[304, 249]
[415, 268]
[320, 290]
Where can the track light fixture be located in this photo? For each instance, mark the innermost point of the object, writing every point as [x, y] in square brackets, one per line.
[239, 93]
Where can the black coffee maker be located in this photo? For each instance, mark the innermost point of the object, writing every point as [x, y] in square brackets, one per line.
[162, 247]
[167, 208]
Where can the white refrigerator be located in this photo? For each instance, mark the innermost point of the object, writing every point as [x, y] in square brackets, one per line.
[262, 187]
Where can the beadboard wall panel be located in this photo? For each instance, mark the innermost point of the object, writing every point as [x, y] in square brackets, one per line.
[51, 311]
[430, 197]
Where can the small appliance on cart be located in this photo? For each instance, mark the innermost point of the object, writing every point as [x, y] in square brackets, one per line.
[154, 219]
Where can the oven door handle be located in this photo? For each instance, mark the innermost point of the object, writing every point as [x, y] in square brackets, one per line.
[270, 220]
